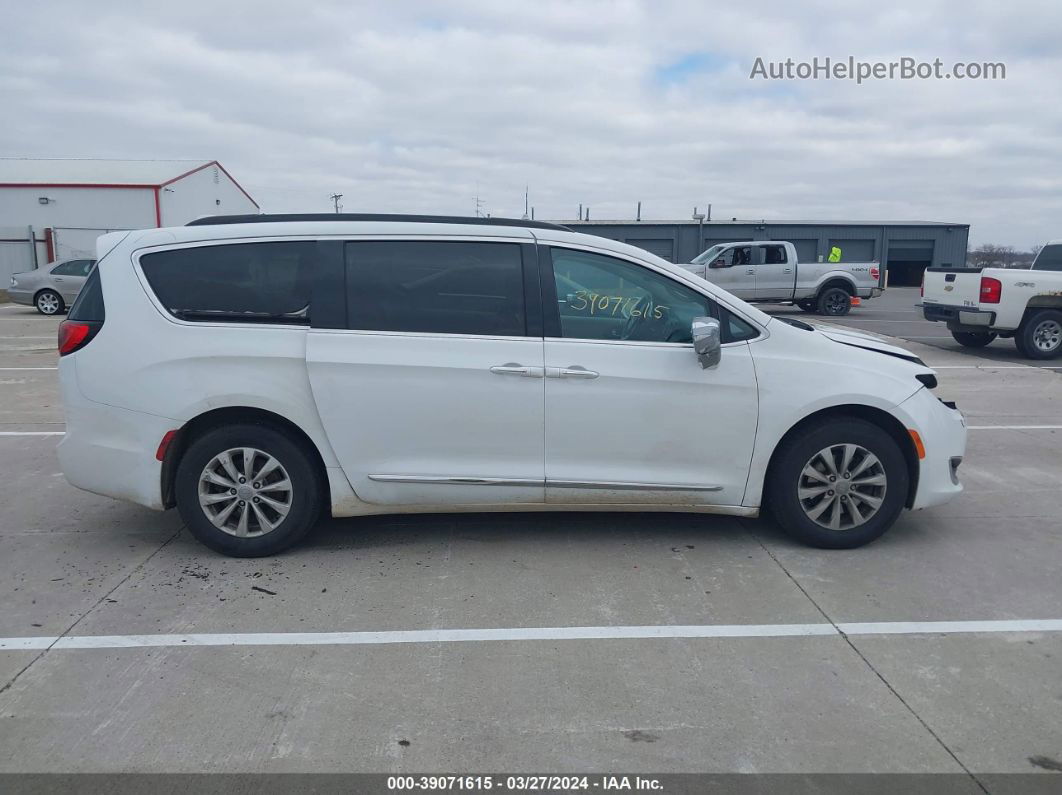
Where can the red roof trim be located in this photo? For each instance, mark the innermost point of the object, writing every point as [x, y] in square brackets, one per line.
[223, 170]
[75, 185]
[131, 186]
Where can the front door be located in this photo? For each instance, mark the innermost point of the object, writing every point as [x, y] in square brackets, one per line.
[734, 271]
[631, 418]
[434, 392]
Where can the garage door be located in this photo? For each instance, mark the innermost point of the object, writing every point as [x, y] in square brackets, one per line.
[854, 250]
[660, 247]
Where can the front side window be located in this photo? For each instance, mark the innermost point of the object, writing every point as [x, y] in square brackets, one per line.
[436, 287]
[604, 298]
[267, 282]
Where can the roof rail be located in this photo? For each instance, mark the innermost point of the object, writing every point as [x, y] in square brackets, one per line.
[413, 219]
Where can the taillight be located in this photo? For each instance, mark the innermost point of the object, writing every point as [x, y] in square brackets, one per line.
[875, 274]
[991, 290]
[75, 335]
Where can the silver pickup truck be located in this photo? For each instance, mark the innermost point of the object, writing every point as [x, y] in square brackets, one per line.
[767, 271]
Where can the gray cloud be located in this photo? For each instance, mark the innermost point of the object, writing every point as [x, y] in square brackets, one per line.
[417, 106]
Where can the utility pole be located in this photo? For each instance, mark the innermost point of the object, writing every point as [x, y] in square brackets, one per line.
[335, 197]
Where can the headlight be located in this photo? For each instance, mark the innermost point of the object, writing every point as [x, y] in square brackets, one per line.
[14, 283]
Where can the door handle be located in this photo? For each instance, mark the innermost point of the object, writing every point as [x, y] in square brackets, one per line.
[575, 371]
[787, 270]
[751, 270]
[512, 368]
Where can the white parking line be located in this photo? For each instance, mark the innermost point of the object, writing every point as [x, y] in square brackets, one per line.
[32, 433]
[29, 368]
[529, 633]
[1013, 427]
[995, 366]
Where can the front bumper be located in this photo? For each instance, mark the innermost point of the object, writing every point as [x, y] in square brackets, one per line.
[943, 433]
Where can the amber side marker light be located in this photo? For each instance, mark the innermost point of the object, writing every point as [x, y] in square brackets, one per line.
[919, 447]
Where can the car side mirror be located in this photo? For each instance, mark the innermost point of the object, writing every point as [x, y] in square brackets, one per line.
[707, 341]
[718, 263]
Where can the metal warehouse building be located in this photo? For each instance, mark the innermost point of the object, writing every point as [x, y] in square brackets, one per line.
[906, 247]
[55, 209]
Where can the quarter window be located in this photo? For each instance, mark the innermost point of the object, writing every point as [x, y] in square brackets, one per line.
[1049, 259]
[604, 298]
[436, 287]
[241, 282]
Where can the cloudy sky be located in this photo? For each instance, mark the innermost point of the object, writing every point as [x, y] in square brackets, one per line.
[422, 106]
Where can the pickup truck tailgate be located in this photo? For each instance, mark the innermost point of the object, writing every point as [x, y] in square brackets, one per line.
[952, 287]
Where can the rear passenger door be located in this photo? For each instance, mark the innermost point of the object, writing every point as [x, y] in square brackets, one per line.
[69, 277]
[775, 274]
[433, 391]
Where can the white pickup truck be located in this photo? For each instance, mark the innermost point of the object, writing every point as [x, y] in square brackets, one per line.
[767, 271]
[980, 304]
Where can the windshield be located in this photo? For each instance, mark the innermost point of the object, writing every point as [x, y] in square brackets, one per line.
[708, 255]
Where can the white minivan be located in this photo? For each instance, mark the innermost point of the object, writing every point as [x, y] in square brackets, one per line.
[256, 370]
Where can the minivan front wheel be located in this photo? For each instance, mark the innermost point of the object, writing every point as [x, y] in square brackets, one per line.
[838, 484]
[247, 490]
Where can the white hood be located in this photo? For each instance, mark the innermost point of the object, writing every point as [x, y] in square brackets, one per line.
[864, 339]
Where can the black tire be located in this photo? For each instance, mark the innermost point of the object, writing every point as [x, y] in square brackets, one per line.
[1040, 335]
[973, 339]
[53, 302]
[303, 499]
[808, 306]
[800, 449]
[834, 302]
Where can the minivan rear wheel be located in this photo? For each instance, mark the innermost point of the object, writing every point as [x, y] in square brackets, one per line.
[247, 490]
[838, 483]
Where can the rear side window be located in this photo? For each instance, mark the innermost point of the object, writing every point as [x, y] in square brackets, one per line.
[76, 267]
[245, 282]
[88, 306]
[435, 287]
[774, 255]
[1049, 259]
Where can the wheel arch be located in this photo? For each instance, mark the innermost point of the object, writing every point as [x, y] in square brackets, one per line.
[47, 289]
[837, 281]
[231, 415]
[875, 416]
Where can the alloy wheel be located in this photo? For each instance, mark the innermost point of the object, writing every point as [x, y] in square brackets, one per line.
[48, 303]
[245, 492]
[842, 486]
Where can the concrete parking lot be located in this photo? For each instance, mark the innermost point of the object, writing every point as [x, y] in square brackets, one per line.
[762, 655]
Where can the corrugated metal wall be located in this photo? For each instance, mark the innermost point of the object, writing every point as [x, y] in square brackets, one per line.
[906, 249]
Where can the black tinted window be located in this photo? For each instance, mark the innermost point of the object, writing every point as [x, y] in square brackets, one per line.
[435, 287]
[1049, 259]
[89, 303]
[252, 282]
[774, 255]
